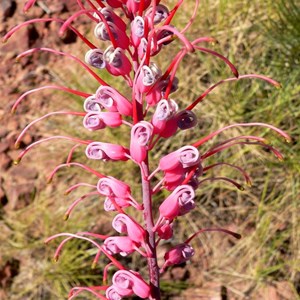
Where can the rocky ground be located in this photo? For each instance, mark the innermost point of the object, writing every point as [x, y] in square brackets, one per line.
[18, 184]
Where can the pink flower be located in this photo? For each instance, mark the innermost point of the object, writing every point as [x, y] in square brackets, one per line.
[101, 32]
[179, 202]
[91, 104]
[147, 77]
[112, 100]
[186, 156]
[111, 186]
[109, 203]
[117, 63]
[165, 231]
[111, 16]
[165, 110]
[94, 57]
[106, 151]
[95, 121]
[124, 224]
[177, 164]
[120, 244]
[127, 283]
[141, 133]
[178, 255]
[137, 30]
[112, 293]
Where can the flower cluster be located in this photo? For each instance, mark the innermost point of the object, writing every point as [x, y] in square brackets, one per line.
[132, 34]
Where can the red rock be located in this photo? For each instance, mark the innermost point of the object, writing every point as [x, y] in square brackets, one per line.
[5, 161]
[7, 9]
[4, 145]
[19, 195]
[13, 154]
[24, 172]
[3, 133]
[27, 139]
[285, 290]
[3, 198]
[8, 271]
[12, 125]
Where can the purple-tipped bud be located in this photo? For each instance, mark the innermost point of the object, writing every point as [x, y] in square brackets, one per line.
[147, 77]
[161, 13]
[92, 105]
[117, 62]
[92, 121]
[141, 134]
[178, 255]
[128, 283]
[186, 119]
[124, 224]
[94, 57]
[119, 244]
[137, 30]
[113, 187]
[165, 110]
[180, 202]
[120, 36]
[112, 100]
[106, 151]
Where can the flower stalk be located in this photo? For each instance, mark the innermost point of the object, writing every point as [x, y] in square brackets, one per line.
[148, 218]
[132, 34]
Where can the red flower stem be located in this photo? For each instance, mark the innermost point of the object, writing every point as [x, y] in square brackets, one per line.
[152, 260]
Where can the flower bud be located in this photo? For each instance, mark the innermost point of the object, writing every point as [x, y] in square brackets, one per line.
[125, 281]
[106, 151]
[94, 57]
[186, 119]
[124, 224]
[137, 30]
[92, 105]
[119, 244]
[178, 255]
[112, 187]
[112, 100]
[117, 62]
[141, 134]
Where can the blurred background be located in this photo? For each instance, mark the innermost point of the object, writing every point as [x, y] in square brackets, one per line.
[260, 37]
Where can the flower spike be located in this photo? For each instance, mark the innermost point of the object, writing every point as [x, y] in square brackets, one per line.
[132, 34]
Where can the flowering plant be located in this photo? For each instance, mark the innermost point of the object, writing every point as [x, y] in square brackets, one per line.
[134, 32]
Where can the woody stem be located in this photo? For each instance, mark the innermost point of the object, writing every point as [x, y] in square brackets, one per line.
[152, 260]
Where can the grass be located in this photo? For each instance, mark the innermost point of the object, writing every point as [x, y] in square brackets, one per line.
[250, 34]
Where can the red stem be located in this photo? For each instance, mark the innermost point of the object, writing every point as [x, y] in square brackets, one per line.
[152, 261]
